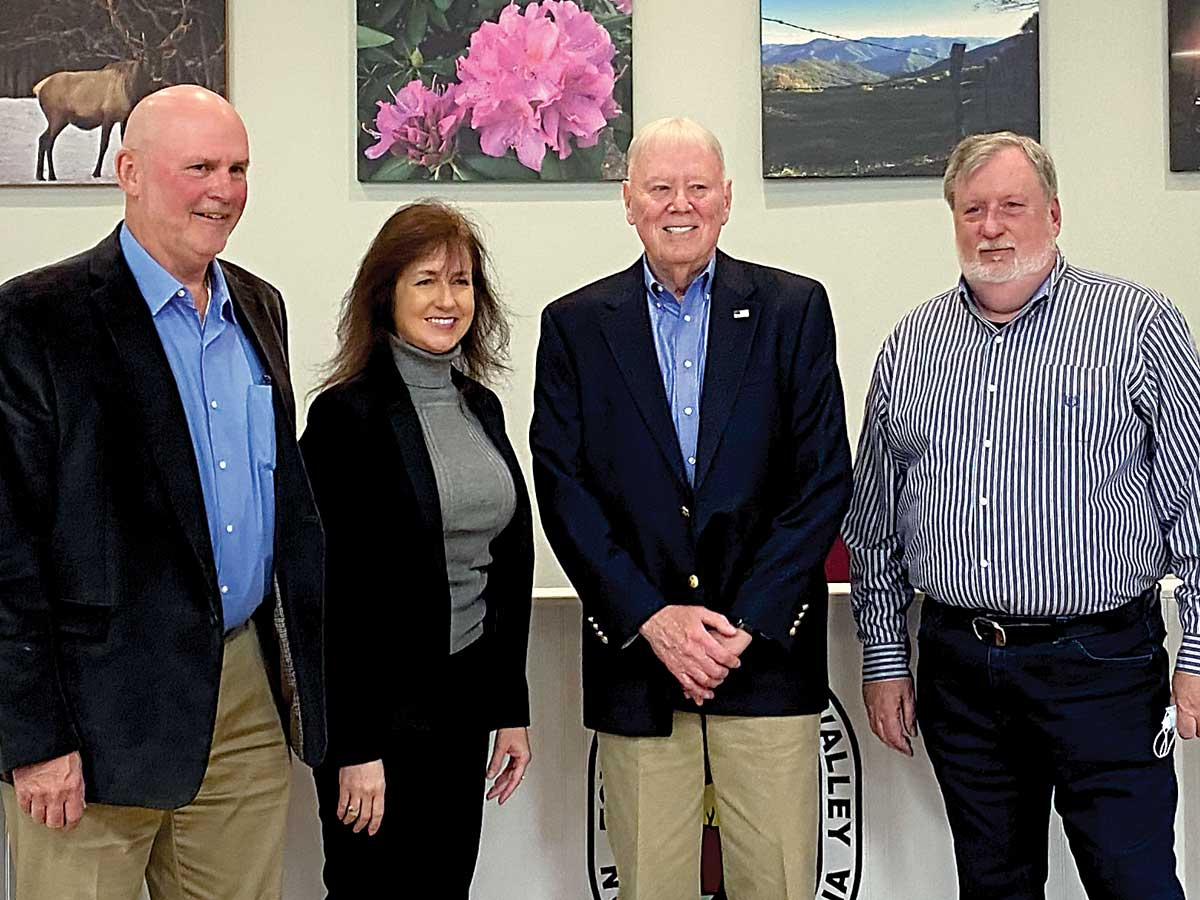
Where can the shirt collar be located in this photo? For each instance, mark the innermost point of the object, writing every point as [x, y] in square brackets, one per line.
[656, 288]
[1044, 291]
[158, 286]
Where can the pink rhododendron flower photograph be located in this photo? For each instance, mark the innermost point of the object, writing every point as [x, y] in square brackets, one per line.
[538, 79]
[539, 89]
[420, 124]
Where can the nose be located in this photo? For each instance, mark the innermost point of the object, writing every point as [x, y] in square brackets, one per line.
[679, 200]
[991, 226]
[445, 296]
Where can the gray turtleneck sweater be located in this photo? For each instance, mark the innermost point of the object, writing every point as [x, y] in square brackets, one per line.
[475, 487]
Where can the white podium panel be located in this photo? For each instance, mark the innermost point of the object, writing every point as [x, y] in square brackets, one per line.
[884, 830]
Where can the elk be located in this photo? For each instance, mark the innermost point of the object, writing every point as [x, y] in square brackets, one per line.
[101, 98]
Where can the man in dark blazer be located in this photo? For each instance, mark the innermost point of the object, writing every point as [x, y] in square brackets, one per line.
[160, 554]
[692, 469]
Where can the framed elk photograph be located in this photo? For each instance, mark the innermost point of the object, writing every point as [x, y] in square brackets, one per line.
[71, 70]
[887, 87]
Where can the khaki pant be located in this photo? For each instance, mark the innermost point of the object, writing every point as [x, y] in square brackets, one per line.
[227, 844]
[764, 772]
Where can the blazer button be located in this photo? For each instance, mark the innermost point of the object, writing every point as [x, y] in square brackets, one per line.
[792, 631]
[595, 627]
[693, 582]
[685, 512]
[603, 640]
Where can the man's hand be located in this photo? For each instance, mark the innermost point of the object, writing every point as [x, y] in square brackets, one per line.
[892, 712]
[51, 792]
[736, 644]
[679, 636]
[511, 744]
[361, 790]
[1185, 689]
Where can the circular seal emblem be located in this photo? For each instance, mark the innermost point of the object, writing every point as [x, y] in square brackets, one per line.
[839, 849]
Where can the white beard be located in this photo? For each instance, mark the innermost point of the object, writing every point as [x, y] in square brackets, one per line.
[975, 270]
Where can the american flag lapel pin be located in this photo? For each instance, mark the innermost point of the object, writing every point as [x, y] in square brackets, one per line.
[741, 313]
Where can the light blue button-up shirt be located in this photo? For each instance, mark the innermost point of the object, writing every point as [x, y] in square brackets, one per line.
[227, 400]
[680, 329]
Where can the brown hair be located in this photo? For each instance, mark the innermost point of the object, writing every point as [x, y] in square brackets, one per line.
[413, 233]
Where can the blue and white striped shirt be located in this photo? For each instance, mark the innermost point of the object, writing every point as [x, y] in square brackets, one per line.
[1049, 467]
[680, 329]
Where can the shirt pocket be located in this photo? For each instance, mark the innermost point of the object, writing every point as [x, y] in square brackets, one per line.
[1075, 404]
[260, 421]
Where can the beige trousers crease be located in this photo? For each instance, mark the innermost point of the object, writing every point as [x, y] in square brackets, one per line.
[765, 777]
[227, 844]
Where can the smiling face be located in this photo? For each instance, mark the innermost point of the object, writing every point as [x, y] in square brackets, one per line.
[677, 197]
[1004, 225]
[434, 300]
[183, 170]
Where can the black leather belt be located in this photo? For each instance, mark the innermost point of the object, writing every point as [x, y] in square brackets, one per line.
[1002, 630]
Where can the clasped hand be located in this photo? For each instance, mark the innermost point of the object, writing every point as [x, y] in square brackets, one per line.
[697, 645]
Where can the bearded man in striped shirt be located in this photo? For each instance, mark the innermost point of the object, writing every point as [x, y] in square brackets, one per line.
[1029, 460]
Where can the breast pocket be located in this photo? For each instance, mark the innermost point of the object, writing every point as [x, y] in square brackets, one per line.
[260, 420]
[1077, 405]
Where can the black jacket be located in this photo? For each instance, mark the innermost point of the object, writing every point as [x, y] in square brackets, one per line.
[772, 482]
[111, 635]
[388, 598]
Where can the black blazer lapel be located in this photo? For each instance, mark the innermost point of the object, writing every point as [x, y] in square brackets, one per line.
[729, 341]
[406, 430]
[625, 324]
[266, 338]
[115, 295]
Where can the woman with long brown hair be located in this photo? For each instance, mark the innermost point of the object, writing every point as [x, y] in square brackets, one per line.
[429, 564]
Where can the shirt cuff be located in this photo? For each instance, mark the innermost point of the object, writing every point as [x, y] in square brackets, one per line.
[884, 661]
[1188, 659]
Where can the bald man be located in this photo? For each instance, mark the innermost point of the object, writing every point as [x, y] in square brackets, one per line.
[160, 555]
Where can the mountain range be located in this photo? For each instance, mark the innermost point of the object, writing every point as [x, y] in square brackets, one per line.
[888, 56]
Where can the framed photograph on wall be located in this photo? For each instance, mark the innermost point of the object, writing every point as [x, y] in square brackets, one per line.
[887, 87]
[1183, 49]
[494, 90]
[71, 70]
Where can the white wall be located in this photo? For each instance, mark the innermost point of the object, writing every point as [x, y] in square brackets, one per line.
[880, 246]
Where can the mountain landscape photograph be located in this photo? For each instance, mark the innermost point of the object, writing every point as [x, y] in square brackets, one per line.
[884, 88]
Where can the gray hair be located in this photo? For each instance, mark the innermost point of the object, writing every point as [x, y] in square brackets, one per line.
[676, 128]
[976, 149]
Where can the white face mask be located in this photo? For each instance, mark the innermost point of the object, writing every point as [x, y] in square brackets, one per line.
[1164, 741]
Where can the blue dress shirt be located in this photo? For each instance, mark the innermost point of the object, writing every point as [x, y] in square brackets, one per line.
[680, 329]
[227, 399]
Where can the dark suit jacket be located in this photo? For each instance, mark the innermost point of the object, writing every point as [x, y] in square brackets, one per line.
[111, 632]
[771, 486]
[388, 606]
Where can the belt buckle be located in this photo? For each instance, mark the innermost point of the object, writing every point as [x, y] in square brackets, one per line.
[997, 638]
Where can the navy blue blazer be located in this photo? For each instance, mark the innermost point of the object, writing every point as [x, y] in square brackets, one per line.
[772, 484]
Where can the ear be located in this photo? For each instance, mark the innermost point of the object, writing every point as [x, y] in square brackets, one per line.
[127, 172]
[728, 190]
[628, 201]
[1055, 216]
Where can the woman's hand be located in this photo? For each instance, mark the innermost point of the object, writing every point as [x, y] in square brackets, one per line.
[513, 743]
[360, 795]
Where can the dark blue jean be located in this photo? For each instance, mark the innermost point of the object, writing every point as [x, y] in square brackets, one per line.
[1008, 728]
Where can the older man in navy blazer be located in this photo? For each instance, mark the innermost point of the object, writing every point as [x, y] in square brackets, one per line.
[692, 470]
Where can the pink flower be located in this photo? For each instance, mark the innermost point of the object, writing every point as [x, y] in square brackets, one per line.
[538, 79]
[421, 125]
[625, 6]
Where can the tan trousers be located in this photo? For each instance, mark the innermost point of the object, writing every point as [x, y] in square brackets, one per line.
[227, 844]
[764, 772]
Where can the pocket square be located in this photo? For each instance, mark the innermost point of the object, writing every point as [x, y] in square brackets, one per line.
[741, 313]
